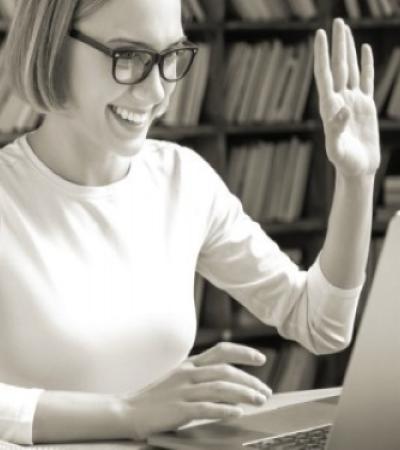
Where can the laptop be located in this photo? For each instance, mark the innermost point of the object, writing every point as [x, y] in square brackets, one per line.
[366, 415]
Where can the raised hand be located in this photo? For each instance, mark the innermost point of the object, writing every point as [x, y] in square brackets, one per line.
[346, 102]
[205, 386]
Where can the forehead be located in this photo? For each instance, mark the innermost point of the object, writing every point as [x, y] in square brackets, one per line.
[155, 22]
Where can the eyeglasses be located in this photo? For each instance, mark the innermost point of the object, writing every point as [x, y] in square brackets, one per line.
[131, 65]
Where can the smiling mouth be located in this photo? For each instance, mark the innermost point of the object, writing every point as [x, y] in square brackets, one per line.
[128, 116]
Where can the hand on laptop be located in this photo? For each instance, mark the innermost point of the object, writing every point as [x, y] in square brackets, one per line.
[205, 386]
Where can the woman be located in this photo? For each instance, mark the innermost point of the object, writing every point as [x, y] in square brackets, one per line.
[103, 229]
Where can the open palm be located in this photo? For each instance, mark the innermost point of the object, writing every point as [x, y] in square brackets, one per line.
[346, 102]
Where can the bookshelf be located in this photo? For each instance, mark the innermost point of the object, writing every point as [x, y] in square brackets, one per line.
[219, 28]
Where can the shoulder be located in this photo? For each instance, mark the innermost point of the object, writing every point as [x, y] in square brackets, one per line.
[176, 159]
[13, 164]
[12, 153]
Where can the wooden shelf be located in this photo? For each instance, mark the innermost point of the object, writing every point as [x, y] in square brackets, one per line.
[308, 126]
[180, 132]
[368, 23]
[233, 26]
[208, 26]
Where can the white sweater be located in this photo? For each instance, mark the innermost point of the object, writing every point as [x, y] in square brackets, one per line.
[96, 282]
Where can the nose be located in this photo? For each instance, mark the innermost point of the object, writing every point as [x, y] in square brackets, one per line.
[151, 89]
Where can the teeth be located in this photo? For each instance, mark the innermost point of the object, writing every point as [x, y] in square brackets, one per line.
[130, 116]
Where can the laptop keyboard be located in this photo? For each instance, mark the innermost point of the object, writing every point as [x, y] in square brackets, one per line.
[311, 439]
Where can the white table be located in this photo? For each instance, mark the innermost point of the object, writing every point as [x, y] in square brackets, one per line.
[277, 401]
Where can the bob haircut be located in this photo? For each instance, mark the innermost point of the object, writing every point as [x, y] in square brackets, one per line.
[33, 59]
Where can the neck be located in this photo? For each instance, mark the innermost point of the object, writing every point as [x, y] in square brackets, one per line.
[74, 156]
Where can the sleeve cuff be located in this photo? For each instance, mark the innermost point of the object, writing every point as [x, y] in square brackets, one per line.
[16, 421]
[322, 284]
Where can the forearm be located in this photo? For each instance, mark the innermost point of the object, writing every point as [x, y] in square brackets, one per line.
[345, 251]
[77, 416]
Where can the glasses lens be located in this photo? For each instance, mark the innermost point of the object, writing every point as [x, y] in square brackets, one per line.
[176, 63]
[130, 66]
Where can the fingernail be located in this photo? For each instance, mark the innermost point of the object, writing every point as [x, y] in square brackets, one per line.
[260, 357]
[260, 399]
[235, 413]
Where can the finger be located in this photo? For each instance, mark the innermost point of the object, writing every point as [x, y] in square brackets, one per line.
[229, 373]
[367, 70]
[322, 72]
[339, 58]
[231, 353]
[223, 391]
[354, 71]
[209, 410]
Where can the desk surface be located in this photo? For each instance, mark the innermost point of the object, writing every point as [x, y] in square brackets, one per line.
[277, 401]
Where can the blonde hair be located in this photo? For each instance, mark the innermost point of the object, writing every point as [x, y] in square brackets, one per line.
[33, 59]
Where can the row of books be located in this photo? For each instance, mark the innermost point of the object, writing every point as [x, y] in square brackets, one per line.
[387, 92]
[356, 9]
[187, 99]
[270, 178]
[256, 10]
[267, 81]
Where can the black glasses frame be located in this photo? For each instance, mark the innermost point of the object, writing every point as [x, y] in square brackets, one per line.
[156, 58]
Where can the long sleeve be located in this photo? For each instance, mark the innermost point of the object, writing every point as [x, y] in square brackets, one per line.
[239, 257]
[17, 409]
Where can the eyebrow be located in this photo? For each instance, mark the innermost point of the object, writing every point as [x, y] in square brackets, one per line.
[141, 44]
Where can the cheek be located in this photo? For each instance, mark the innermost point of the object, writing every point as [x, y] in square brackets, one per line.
[90, 81]
[160, 109]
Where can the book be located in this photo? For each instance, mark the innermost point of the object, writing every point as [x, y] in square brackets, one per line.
[287, 179]
[236, 169]
[295, 73]
[280, 82]
[263, 176]
[387, 79]
[386, 7]
[304, 9]
[7, 8]
[352, 9]
[279, 10]
[197, 11]
[198, 86]
[238, 84]
[304, 83]
[250, 181]
[276, 58]
[251, 85]
[299, 183]
[214, 11]
[245, 10]
[393, 107]
[374, 8]
[271, 199]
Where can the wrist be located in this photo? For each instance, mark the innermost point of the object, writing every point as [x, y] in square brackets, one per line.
[125, 415]
[360, 185]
